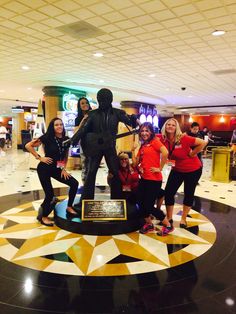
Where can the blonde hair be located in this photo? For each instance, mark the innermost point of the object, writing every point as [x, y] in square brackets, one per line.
[178, 132]
[123, 155]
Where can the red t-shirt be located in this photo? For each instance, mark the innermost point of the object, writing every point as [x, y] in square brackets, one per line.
[129, 178]
[179, 152]
[149, 156]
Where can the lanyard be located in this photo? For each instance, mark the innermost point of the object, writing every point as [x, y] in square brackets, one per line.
[60, 148]
[170, 150]
[125, 177]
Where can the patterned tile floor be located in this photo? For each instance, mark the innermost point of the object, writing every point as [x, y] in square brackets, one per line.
[50, 270]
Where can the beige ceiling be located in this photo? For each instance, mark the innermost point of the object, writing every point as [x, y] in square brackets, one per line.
[170, 39]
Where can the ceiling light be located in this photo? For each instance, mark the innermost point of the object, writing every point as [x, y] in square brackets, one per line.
[25, 67]
[2, 90]
[29, 88]
[152, 75]
[101, 81]
[218, 33]
[98, 54]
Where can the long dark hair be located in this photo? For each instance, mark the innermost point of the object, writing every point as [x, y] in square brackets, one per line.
[50, 133]
[80, 113]
[149, 126]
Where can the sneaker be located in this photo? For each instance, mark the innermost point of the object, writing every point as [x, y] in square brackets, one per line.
[170, 221]
[146, 228]
[165, 231]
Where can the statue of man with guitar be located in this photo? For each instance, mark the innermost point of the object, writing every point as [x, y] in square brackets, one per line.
[98, 138]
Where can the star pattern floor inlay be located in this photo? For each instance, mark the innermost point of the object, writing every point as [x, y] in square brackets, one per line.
[27, 243]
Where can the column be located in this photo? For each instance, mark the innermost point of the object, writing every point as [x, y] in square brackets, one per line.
[53, 97]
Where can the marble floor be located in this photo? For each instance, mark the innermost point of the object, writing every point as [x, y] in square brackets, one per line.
[52, 270]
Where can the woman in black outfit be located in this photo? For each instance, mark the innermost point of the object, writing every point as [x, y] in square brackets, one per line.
[83, 110]
[53, 165]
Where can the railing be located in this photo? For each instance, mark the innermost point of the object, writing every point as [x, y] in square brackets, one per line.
[209, 148]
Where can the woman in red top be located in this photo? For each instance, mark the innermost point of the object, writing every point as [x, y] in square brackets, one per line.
[151, 158]
[129, 178]
[186, 166]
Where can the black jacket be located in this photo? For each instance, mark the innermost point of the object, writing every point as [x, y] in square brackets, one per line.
[100, 129]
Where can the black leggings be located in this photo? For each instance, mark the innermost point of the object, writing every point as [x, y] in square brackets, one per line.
[148, 192]
[175, 180]
[45, 173]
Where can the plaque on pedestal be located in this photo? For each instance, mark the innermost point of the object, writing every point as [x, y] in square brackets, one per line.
[104, 210]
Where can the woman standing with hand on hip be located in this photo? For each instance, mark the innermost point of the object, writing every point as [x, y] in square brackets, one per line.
[186, 166]
[151, 158]
[53, 165]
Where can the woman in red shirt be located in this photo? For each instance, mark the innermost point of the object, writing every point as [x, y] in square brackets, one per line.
[129, 178]
[151, 158]
[186, 166]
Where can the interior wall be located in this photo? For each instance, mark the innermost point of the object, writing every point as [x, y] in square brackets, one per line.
[213, 122]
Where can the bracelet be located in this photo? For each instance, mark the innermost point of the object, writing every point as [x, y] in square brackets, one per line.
[38, 157]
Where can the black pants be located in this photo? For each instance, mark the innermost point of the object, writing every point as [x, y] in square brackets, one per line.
[45, 173]
[93, 165]
[148, 192]
[175, 179]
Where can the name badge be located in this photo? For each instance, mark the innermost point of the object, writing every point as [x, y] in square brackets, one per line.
[170, 162]
[126, 188]
[60, 164]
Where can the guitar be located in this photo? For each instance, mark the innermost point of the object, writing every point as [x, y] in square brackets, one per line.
[93, 143]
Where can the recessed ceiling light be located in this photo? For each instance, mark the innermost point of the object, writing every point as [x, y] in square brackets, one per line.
[101, 81]
[25, 67]
[152, 75]
[29, 88]
[98, 54]
[218, 33]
